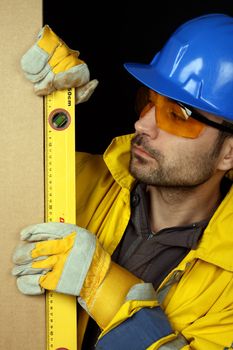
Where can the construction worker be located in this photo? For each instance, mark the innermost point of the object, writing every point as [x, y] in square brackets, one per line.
[150, 259]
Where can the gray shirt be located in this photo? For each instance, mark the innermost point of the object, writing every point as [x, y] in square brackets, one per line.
[152, 256]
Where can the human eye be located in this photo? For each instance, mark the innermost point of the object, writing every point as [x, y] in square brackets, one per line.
[185, 112]
[177, 113]
[176, 116]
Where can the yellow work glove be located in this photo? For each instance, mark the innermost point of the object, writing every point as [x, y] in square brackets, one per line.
[69, 259]
[51, 65]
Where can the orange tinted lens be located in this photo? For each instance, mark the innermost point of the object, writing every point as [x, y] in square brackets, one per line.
[171, 117]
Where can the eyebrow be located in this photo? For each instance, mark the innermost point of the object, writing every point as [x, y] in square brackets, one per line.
[225, 126]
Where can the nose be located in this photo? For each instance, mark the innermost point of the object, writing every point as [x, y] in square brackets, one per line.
[147, 124]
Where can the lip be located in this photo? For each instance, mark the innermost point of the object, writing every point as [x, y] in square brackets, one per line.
[140, 152]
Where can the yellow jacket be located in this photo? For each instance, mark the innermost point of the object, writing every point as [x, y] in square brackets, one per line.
[197, 296]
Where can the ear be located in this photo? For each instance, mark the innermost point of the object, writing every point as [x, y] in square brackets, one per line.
[226, 158]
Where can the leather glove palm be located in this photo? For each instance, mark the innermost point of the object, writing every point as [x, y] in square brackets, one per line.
[51, 65]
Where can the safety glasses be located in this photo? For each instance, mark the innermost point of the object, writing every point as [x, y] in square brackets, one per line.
[175, 117]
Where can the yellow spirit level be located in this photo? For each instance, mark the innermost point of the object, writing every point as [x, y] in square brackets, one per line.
[60, 206]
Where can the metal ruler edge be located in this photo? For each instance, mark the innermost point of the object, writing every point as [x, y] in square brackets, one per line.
[61, 313]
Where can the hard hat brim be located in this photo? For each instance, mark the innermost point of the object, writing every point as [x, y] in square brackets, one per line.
[148, 75]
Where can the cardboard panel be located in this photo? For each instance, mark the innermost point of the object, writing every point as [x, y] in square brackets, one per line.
[22, 318]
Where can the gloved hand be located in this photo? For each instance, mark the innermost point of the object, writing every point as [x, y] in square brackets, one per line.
[53, 247]
[69, 259]
[51, 65]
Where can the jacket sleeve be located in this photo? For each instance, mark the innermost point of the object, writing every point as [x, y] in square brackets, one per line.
[140, 331]
[141, 325]
[141, 322]
[146, 326]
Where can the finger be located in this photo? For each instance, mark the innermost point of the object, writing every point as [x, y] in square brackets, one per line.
[22, 254]
[34, 60]
[29, 284]
[74, 77]
[53, 247]
[45, 86]
[45, 231]
[83, 93]
[45, 264]
[27, 269]
[35, 78]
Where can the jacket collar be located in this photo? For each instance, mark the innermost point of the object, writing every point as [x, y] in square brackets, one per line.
[117, 158]
[216, 244]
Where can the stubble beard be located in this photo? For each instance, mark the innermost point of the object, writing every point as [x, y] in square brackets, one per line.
[181, 172]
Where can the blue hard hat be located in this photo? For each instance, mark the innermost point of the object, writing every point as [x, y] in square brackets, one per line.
[195, 66]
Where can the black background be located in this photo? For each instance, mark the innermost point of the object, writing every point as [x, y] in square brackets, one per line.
[108, 34]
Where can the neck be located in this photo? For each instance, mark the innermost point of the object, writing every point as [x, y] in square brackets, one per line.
[171, 207]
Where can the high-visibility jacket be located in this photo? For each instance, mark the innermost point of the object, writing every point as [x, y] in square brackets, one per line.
[197, 296]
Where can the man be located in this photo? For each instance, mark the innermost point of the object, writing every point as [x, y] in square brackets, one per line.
[161, 208]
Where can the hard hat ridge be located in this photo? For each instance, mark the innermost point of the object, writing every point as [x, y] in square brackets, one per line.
[195, 66]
